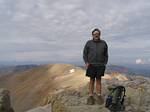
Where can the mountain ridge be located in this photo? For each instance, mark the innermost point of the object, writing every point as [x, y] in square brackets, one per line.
[36, 87]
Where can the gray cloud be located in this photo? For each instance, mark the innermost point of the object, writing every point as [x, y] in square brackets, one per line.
[40, 30]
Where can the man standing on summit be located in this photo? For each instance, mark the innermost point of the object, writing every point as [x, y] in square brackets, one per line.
[95, 55]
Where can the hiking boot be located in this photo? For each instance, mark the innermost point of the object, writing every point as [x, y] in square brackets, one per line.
[99, 99]
[90, 100]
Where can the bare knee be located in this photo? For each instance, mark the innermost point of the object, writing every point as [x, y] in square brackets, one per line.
[92, 80]
[98, 79]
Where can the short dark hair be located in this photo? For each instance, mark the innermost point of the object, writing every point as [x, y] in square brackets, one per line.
[96, 29]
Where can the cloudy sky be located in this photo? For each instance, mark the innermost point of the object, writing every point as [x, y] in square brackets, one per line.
[44, 31]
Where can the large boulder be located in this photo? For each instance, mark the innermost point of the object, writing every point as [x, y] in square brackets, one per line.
[5, 103]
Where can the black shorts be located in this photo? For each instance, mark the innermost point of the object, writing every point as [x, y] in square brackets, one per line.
[95, 71]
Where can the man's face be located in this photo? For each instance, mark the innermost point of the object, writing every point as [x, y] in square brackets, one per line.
[96, 35]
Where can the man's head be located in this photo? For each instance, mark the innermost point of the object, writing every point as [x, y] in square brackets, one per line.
[96, 33]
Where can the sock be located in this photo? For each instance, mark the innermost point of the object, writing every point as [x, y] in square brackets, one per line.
[99, 94]
[90, 94]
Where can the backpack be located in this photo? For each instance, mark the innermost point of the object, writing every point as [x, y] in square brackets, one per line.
[115, 98]
[5, 105]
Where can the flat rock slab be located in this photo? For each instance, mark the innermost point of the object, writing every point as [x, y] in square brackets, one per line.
[87, 108]
[46, 108]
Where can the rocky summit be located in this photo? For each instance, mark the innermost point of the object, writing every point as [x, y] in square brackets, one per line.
[64, 88]
[74, 100]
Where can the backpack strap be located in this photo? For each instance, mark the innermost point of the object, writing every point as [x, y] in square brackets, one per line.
[124, 90]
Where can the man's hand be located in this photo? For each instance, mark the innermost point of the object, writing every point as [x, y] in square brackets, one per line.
[86, 65]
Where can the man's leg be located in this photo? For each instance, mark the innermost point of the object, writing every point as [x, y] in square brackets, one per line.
[100, 99]
[90, 100]
[91, 86]
[98, 86]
